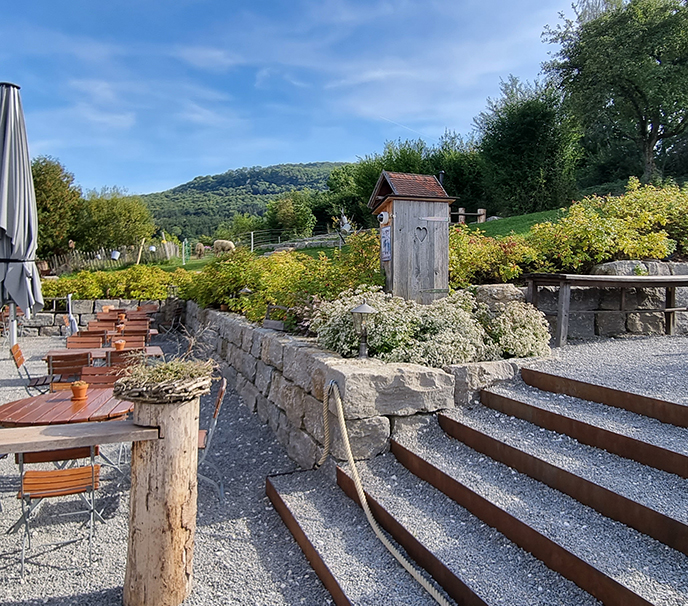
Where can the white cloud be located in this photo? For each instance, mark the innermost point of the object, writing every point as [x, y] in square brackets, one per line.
[210, 58]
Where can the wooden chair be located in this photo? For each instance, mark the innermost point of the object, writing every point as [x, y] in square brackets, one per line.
[39, 485]
[68, 365]
[149, 308]
[124, 358]
[90, 342]
[101, 325]
[39, 384]
[205, 437]
[109, 316]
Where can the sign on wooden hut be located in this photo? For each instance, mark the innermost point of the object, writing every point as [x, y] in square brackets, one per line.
[413, 212]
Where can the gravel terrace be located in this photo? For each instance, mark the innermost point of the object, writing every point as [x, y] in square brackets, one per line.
[244, 554]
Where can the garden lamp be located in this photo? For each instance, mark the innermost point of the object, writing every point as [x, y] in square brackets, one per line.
[245, 291]
[362, 316]
[172, 291]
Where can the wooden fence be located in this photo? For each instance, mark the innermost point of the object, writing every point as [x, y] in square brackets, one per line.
[104, 259]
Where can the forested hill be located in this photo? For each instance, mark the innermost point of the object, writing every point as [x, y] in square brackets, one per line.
[198, 207]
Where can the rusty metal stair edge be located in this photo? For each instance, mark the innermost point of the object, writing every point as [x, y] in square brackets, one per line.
[454, 586]
[311, 553]
[669, 531]
[667, 412]
[619, 444]
[554, 556]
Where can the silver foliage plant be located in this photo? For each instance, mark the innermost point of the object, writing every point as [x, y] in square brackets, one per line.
[453, 330]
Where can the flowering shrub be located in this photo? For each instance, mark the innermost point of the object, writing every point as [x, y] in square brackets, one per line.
[453, 330]
[518, 329]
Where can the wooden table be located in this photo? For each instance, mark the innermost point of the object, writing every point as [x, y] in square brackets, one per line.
[58, 409]
[100, 353]
[566, 281]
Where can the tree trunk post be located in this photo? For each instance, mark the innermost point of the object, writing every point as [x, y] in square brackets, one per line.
[162, 516]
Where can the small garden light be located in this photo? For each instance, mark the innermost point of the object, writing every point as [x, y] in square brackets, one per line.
[362, 315]
[172, 291]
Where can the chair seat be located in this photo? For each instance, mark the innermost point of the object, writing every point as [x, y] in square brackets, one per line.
[44, 381]
[58, 482]
[202, 438]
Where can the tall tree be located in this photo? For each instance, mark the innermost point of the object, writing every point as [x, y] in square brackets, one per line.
[626, 71]
[111, 218]
[58, 201]
[529, 149]
[292, 213]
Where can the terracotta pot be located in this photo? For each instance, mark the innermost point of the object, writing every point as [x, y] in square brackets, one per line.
[224, 307]
[79, 392]
[119, 345]
[121, 317]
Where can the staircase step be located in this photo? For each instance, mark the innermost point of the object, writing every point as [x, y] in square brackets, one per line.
[663, 410]
[651, 501]
[616, 564]
[627, 434]
[338, 542]
[475, 563]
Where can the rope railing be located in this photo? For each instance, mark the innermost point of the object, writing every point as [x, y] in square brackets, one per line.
[412, 570]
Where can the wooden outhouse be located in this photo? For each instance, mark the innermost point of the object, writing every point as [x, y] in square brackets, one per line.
[413, 212]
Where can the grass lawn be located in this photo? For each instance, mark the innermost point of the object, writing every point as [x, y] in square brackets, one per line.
[518, 225]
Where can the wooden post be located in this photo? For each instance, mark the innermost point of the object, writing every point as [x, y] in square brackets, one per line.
[482, 215]
[462, 215]
[162, 516]
[563, 314]
[670, 316]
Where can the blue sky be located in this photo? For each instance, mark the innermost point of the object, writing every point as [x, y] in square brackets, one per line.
[149, 94]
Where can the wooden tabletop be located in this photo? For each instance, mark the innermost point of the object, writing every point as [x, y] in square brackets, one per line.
[100, 353]
[58, 409]
[607, 281]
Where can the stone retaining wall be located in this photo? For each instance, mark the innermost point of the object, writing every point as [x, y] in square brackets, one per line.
[50, 322]
[282, 378]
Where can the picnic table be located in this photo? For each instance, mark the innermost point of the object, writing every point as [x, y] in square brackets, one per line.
[566, 281]
[57, 408]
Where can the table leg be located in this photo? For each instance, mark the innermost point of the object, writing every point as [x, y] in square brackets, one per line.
[563, 314]
[670, 316]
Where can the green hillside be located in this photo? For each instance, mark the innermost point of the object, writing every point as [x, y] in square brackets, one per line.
[198, 207]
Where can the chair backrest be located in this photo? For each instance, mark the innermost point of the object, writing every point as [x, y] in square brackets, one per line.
[54, 456]
[68, 364]
[17, 355]
[128, 333]
[218, 405]
[99, 376]
[141, 324]
[126, 357]
[149, 308]
[89, 342]
[132, 341]
[101, 325]
[109, 316]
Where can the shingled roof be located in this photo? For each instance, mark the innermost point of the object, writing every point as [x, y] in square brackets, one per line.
[406, 185]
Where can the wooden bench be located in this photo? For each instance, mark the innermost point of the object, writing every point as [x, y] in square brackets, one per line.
[566, 281]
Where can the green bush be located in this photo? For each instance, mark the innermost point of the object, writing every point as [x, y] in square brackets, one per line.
[135, 282]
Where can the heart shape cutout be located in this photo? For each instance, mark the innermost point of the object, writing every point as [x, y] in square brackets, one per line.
[421, 233]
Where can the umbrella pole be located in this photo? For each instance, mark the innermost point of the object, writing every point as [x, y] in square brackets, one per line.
[13, 324]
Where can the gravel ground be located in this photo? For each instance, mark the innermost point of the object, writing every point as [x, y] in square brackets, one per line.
[337, 527]
[496, 569]
[244, 554]
[646, 566]
[650, 366]
[664, 492]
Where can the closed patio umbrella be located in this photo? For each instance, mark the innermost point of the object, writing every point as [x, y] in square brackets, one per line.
[20, 283]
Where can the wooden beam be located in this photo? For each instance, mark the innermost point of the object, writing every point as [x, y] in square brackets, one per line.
[52, 437]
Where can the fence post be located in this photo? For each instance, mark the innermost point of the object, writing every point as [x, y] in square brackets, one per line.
[462, 215]
[251, 241]
[482, 215]
[162, 515]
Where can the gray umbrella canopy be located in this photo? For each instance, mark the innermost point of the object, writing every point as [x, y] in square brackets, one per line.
[21, 283]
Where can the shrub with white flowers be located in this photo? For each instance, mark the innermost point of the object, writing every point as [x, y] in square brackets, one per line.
[453, 330]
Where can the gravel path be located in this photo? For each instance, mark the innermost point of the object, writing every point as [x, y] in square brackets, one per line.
[644, 565]
[244, 554]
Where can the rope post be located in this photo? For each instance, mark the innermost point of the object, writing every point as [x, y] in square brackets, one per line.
[162, 516]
